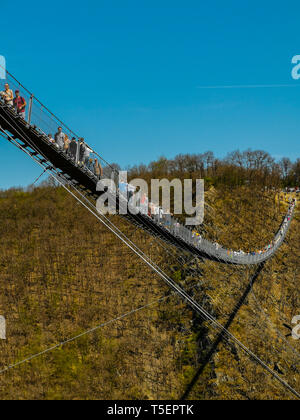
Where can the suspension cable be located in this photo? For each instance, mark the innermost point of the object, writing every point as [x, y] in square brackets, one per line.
[172, 284]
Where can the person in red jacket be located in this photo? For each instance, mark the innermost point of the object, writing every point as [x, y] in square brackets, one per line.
[20, 104]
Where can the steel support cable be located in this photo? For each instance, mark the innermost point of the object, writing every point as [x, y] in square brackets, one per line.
[55, 116]
[214, 299]
[189, 251]
[265, 323]
[31, 156]
[60, 344]
[73, 133]
[37, 100]
[39, 177]
[241, 268]
[211, 263]
[236, 306]
[81, 194]
[99, 156]
[52, 114]
[172, 284]
[91, 330]
[182, 239]
[221, 335]
[36, 148]
[51, 348]
[60, 175]
[158, 241]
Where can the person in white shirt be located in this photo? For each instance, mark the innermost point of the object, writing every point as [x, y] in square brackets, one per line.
[7, 95]
[86, 155]
[60, 138]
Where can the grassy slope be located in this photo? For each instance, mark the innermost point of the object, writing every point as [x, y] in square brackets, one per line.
[62, 273]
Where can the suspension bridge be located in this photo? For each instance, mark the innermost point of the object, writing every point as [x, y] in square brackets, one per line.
[30, 136]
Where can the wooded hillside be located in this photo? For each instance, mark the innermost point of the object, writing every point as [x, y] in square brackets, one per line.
[62, 273]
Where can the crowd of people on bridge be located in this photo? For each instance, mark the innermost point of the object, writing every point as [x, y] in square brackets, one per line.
[77, 150]
[80, 153]
[16, 101]
[167, 221]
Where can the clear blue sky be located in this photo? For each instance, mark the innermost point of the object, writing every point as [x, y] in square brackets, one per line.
[127, 75]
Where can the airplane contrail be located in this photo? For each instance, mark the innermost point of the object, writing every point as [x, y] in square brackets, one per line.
[247, 86]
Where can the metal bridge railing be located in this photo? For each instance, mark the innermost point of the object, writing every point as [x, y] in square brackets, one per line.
[170, 224]
[47, 123]
[39, 116]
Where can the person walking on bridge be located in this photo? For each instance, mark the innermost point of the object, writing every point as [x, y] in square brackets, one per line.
[67, 142]
[19, 104]
[7, 95]
[98, 169]
[73, 148]
[60, 138]
[86, 155]
[90, 165]
[82, 149]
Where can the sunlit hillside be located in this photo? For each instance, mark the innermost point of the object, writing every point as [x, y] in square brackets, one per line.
[62, 273]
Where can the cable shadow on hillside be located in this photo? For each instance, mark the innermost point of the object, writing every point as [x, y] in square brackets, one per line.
[220, 337]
